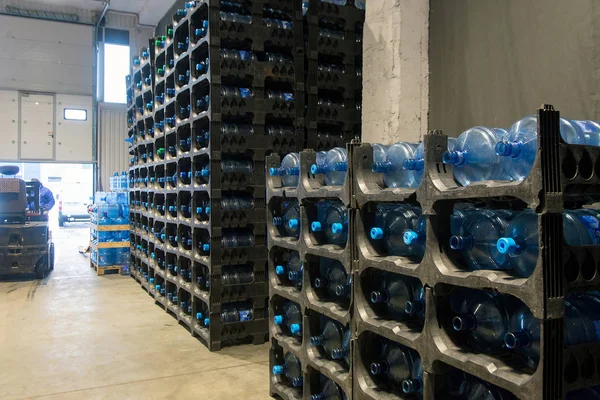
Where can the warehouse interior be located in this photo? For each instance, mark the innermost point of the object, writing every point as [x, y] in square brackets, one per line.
[300, 200]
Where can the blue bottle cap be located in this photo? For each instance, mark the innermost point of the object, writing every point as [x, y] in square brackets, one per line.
[207, 210]
[277, 369]
[376, 233]
[295, 329]
[293, 223]
[273, 171]
[337, 227]
[315, 226]
[278, 320]
[410, 236]
[206, 321]
[314, 169]
[279, 270]
[206, 247]
[506, 245]
[157, 287]
[199, 316]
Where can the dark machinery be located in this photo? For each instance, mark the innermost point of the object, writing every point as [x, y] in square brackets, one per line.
[25, 240]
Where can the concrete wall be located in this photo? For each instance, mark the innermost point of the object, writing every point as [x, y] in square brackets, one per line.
[493, 62]
[395, 70]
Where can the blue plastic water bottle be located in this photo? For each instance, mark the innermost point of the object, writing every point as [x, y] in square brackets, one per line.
[392, 220]
[289, 222]
[481, 317]
[290, 319]
[291, 369]
[476, 239]
[400, 366]
[333, 280]
[399, 297]
[394, 174]
[330, 339]
[474, 156]
[289, 170]
[519, 146]
[334, 167]
[293, 269]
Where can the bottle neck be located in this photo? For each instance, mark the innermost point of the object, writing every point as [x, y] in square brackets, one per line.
[454, 157]
[506, 148]
[464, 322]
[412, 385]
[515, 340]
[380, 296]
[380, 368]
[414, 307]
[458, 242]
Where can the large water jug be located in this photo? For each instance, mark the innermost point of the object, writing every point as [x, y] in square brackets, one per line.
[334, 167]
[399, 297]
[474, 389]
[334, 280]
[519, 145]
[237, 312]
[481, 317]
[291, 319]
[392, 220]
[476, 239]
[289, 221]
[329, 390]
[474, 156]
[582, 315]
[289, 170]
[331, 338]
[580, 228]
[237, 201]
[291, 368]
[332, 219]
[293, 268]
[417, 164]
[400, 367]
[394, 174]
[106, 257]
[237, 275]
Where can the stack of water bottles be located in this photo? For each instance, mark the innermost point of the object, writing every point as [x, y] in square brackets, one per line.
[450, 282]
[119, 182]
[310, 270]
[110, 229]
[333, 31]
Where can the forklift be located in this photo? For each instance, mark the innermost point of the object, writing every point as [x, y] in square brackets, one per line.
[26, 246]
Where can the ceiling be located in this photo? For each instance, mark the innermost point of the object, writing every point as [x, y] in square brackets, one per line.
[149, 11]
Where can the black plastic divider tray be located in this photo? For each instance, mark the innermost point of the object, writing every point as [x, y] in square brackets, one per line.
[278, 385]
[257, 34]
[277, 256]
[346, 80]
[349, 14]
[309, 186]
[218, 335]
[322, 139]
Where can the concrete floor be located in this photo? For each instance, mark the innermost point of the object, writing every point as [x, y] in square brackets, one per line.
[75, 335]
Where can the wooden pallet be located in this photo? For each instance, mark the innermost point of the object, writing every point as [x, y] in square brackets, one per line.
[113, 269]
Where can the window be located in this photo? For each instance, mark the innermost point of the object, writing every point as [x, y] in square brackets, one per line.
[116, 68]
[75, 114]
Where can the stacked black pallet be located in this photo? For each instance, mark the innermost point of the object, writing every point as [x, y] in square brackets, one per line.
[455, 342]
[310, 284]
[333, 72]
[227, 94]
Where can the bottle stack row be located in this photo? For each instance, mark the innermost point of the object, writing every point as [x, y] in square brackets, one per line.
[333, 34]
[110, 233]
[476, 279]
[228, 91]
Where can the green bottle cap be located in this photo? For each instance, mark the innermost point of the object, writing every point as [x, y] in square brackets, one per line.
[170, 31]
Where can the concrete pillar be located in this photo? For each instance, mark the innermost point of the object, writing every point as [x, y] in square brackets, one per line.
[395, 71]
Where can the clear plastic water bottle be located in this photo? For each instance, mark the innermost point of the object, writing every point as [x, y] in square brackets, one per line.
[332, 219]
[237, 312]
[231, 165]
[329, 390]
[476, 239]
[291, 369]
[293, 268]
[289, 170]
[330, 339]
[392, 221]
[334, 280]
[417, 164]
[233, 238]
[398, 297]
[394, 174]
[474, 156]
[400, 366]
[237, 275]
[291, 319]
[379, 153]
[519, 145]
[235, 17]
[481, 317]
[334, 167]
[521, 240]
[289, 223]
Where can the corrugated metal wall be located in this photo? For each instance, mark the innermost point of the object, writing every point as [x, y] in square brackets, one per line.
[112, 149]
